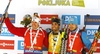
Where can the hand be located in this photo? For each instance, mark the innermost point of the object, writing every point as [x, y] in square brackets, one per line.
[94, 48]
[83, 28]
[6, 15]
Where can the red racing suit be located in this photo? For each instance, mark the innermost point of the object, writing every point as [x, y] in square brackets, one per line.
[77, 45]
[20, 31]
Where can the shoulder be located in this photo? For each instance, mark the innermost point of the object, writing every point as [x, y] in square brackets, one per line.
[82, 32]
[84, 35]
[48, 33]
[42, 30]
[60, 32]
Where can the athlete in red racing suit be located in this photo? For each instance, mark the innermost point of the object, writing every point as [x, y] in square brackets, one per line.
[25, 33]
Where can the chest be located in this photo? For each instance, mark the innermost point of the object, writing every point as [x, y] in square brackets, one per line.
[34, 34]
[54, 38]
[72, 36]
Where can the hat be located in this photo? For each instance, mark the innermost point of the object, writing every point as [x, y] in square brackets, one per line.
[36, 14]
[36, 19]
[55, 19]
[73, 21]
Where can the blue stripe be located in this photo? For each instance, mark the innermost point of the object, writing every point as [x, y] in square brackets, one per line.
[73, 53]
[33, 51]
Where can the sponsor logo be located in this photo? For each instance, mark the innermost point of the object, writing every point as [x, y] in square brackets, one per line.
[93, 20]
[5, 32]
[67, 17]
[79, 3]
[90, 33]
[7, 44]
[21, 45]
[32, 51]
[11, 17]
[46, 19]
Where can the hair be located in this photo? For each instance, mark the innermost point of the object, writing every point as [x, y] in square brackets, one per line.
[55, 19]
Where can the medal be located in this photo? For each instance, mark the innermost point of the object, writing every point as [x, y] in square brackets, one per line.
[72, 42]
[34, 41]
[55, 43]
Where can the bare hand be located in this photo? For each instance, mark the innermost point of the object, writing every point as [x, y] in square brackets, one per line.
[94, 48]
[6, 15]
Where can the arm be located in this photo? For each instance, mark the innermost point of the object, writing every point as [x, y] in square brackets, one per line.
[45, 39]
[85, 40]
[15, 30]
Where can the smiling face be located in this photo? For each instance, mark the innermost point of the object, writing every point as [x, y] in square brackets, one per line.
[34, 25]
[55, 27]
[72, 27]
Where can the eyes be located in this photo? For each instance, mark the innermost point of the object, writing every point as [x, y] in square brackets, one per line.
[33, 22]
[71, 24]
[54, 23]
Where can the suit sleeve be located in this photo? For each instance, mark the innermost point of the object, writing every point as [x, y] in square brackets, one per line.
[19, 31]
[85, 40]
[45, 39]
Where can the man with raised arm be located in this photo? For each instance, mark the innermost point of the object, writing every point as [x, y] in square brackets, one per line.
[34, 37]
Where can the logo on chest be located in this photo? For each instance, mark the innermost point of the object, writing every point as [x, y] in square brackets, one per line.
[55, 39]
[34, 34]
[73, 36]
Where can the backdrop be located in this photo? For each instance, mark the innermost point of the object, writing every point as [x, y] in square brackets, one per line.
[64, 9]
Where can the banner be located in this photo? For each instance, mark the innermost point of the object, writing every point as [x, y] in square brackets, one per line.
[65, 18]
[7, 44]
[79, 3]
[93, 20]
[54, 2]
[5, 32]
[90, 33]
[20, 44]
[46, 19]
[11, 17]
[61, 4]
